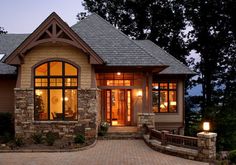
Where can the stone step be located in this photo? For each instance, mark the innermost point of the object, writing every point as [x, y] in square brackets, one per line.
[120, 135]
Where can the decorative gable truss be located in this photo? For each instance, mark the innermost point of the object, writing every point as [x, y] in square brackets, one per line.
[52, 30]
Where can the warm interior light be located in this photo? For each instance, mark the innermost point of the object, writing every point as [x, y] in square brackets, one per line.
[139, 94]
[172, 103]
[39, 92]
[118, 73]
[206, 126]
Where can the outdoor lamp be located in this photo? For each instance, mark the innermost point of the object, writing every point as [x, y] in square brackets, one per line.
[139, 94]
[206, 126]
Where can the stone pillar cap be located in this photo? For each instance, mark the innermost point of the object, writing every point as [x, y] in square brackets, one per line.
[207, 134]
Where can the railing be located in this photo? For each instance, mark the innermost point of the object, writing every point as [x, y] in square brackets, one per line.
[177, 140]
[154, 134]
[181, 141]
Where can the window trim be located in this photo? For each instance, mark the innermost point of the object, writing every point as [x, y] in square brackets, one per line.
[168, 93]
[63, 87]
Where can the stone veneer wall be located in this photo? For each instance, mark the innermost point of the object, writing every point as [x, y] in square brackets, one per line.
[146, 118]
[87, 122]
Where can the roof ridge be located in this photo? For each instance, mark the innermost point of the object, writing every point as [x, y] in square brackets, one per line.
[133, 41]
[168, 54]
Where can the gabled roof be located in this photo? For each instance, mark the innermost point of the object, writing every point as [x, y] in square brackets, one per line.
[7, 69]
[175, 66]
[115, 48]
[9, 42]
[112, 47]
[53, 29]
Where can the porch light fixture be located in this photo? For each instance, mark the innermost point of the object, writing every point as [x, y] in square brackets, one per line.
[206, 126]
[118, 73]
[139, 94]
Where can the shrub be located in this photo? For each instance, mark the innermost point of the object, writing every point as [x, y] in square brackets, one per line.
[37, 138]
[79, 138]
[232, 156]
[19, 141]
[50, 138]
[7, 137]
[103, 128]
[6, 124]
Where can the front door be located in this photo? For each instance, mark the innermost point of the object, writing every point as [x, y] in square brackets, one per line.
[118, 107]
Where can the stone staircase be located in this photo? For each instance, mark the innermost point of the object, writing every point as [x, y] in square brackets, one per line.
[115, 133]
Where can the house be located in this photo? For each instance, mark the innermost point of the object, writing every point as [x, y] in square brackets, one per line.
[68, 79]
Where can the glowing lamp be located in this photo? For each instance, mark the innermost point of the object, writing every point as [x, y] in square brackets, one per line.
[206, 126]
[118, 73]
[139, 94]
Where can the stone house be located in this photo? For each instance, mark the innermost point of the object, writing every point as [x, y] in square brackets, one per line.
[68, 79]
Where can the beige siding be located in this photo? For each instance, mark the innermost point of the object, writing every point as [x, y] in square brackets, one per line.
[177, 117]
[40, 53]
[7, 95]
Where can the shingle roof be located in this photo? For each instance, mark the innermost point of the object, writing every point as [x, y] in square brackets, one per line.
[7, 69]
[175, 66]
[111, 44]
[9, 42]
[114, 47]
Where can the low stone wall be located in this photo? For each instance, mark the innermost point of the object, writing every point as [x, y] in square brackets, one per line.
[147, 119]
[204, 151]
[87, 123]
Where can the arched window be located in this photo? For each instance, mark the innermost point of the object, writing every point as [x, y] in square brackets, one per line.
[55, 91]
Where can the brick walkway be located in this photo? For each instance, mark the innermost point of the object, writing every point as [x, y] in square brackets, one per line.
[106, 152]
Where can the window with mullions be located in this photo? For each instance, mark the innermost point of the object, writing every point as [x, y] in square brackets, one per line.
[164, 97]
[55, 88]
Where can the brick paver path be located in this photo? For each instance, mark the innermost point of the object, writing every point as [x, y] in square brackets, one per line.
[106, 152]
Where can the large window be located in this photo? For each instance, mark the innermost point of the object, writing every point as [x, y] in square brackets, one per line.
[164, 97]
[55, 86]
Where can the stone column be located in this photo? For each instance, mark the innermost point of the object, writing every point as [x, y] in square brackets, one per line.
[24, 108]
[88, 112]
[207, 146]
[146, 118]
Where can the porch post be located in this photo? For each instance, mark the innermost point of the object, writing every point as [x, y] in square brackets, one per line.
[150, 92]
[144, 94]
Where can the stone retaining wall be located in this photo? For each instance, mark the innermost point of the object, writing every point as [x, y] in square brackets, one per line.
[147, 119]
[87, 123]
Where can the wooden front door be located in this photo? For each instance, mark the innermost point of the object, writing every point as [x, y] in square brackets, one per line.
[118, 107]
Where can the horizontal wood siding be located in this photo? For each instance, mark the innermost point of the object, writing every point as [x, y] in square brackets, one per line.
[7, 95]
[43, 52]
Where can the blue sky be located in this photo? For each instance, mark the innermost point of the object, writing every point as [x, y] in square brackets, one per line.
[24, 16]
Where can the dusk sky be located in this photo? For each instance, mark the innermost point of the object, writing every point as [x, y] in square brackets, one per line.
[24, 16]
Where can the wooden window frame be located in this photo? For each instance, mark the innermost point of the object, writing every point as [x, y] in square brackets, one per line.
[63, 87]
[168, 93]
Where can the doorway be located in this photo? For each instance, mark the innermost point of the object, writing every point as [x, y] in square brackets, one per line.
[118, 107]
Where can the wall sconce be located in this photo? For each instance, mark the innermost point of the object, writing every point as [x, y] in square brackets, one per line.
[139, 94]
[206, 126]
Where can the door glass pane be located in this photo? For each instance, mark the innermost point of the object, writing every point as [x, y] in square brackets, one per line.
[70, 104]
[41, 104]
[108, 106]
[128, 106]
[56, 104]
[70, 70]
[172, 101]
[41, 70]
[56, 68]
